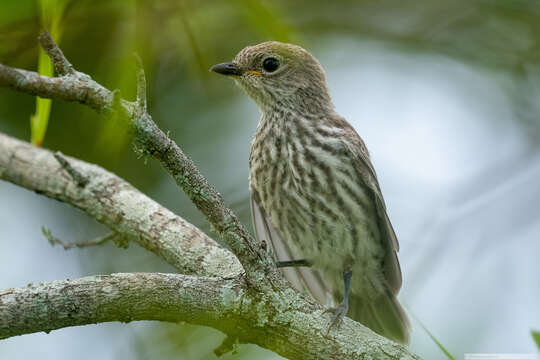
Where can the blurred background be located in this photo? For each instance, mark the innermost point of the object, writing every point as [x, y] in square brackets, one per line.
[445, 94]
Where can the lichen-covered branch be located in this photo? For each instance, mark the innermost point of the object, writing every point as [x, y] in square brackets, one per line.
[117, 297]
[118, 205]
[61, 65]
[260, 271]
[284, 323]
[281, 320]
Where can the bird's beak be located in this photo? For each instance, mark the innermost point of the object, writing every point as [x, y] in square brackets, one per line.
[227, 69]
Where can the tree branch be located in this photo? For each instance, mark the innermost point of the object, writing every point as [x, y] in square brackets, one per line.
[117, 297]
[85, 91]
[141, 85]
[291, 327]
[61, 65]
[260, 270]
[118, 205]
[282, 321]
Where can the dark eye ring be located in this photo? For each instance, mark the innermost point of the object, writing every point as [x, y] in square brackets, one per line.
[270, 64]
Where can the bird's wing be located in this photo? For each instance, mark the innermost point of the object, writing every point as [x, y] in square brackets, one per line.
[302, 278]
[366, 171]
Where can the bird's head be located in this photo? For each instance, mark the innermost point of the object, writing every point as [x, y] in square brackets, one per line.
[276, 74]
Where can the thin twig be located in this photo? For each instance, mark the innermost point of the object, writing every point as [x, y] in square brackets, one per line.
[80, 244]
[79, 178]
[141, 84]
[228, 344]
[61, 65]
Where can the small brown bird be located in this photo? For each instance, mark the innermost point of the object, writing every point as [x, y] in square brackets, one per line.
[314, 192]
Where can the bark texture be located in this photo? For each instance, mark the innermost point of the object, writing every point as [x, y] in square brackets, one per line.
[282, 322]
[118, 205]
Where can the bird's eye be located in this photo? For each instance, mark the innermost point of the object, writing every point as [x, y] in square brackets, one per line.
[270, 64]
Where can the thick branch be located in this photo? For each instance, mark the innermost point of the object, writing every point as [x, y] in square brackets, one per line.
[291, 327]
[118, 205]
[117, 297]
[259, 266]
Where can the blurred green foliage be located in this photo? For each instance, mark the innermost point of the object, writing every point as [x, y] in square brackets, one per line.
[179, 40]
[536, 337]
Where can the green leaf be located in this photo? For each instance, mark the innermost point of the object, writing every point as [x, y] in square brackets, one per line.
[39, 121]
[432, 337]
[536, 337]
[51, 17]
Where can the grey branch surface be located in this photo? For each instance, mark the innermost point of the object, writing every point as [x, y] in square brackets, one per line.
[118, 205]
[251, 302]
[284, 323]
[116, 297]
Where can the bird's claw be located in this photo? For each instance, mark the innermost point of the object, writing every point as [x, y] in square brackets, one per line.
[338, 313]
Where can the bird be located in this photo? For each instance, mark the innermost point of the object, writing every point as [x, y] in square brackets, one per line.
[315, 196]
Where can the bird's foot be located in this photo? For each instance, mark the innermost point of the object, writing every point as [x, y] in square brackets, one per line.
[338, 313]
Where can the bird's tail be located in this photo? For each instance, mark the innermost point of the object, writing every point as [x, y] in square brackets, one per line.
[384, 315]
